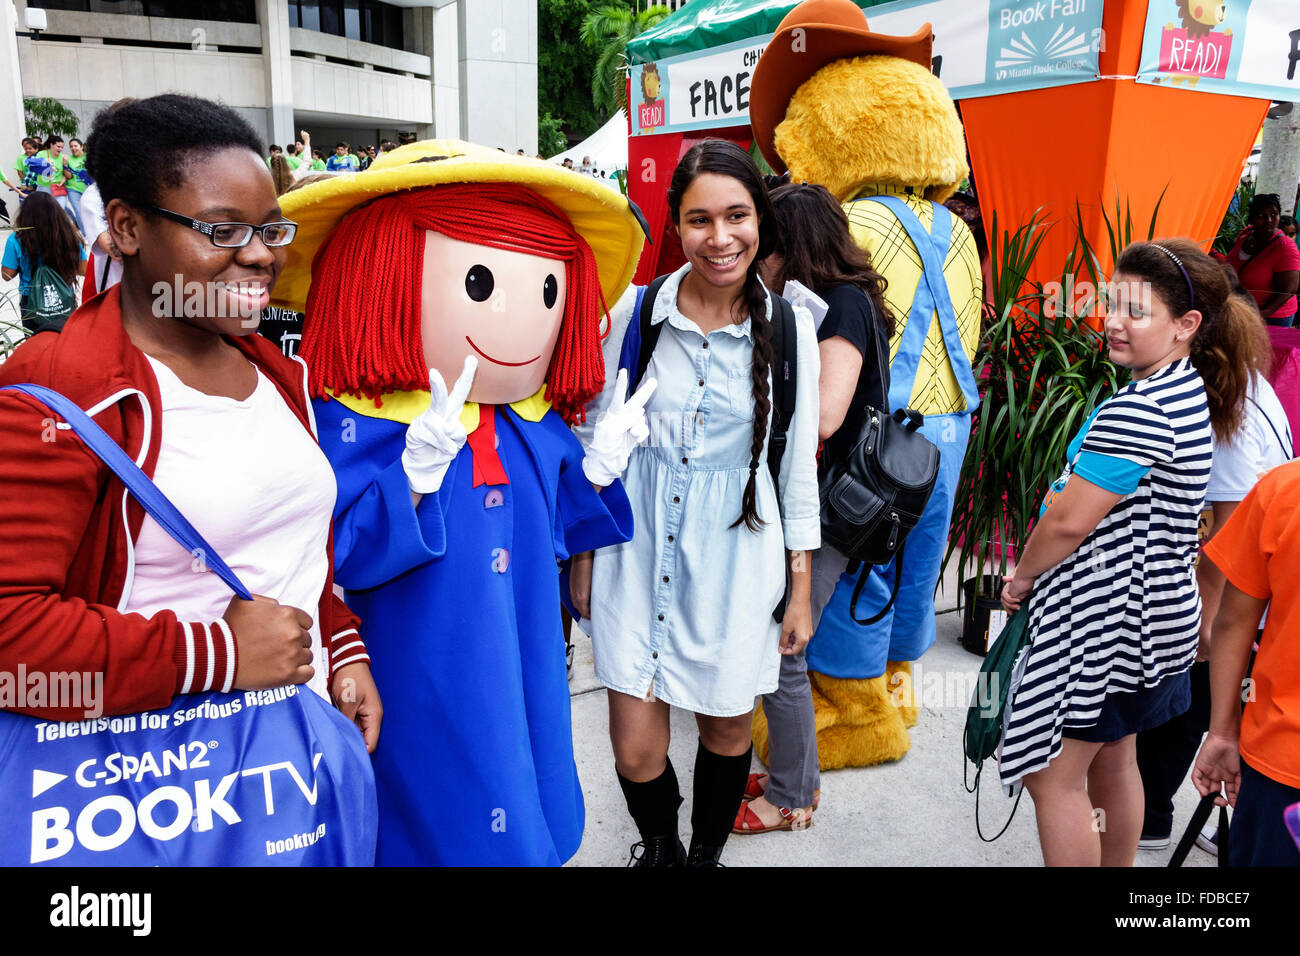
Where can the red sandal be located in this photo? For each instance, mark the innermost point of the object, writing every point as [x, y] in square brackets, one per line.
[747, 821]
[755, 788]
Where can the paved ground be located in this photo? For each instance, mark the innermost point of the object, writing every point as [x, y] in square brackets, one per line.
[913, 812]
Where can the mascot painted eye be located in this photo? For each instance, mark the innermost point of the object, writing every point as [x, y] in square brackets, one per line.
[479, 283]
[550, 291]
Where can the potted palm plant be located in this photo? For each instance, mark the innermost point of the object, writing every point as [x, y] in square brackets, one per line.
[1042, 371]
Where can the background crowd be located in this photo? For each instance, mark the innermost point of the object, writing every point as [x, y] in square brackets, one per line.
[1114, 703]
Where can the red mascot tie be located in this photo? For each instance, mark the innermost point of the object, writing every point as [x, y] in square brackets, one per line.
[483, 446]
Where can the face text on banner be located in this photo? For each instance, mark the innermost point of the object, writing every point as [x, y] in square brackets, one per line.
[981, 47]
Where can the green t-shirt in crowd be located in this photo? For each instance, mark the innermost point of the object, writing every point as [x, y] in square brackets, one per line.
[55, 176]
[78, 166]
[20, 166]
[294, 161]
[318, 165]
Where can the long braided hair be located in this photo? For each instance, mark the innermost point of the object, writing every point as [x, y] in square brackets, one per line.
[725, 158]
[1231, 343]
[362, 333]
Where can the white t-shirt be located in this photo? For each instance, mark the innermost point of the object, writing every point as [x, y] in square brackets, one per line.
[255, 484]
[107, 270]
[1263, 443]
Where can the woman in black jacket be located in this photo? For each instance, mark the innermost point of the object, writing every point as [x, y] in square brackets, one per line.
[815, 249]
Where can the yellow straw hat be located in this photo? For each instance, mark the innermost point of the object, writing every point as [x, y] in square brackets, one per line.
[612, 226]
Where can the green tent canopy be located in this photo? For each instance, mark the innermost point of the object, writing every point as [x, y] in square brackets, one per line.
[705, 24]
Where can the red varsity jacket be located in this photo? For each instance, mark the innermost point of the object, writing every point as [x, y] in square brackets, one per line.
[68, 525]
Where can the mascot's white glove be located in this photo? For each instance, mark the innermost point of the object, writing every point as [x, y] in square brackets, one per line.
[622, 428]
[434, 439]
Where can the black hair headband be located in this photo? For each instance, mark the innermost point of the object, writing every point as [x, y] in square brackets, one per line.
[1191, 295]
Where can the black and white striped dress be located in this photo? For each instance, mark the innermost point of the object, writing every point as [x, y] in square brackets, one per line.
[1122, 612]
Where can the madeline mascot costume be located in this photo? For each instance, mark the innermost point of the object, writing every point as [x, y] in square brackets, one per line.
[861, 114]
[451, 263]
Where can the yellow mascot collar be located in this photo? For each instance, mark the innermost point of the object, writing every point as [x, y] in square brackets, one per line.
[406, 407]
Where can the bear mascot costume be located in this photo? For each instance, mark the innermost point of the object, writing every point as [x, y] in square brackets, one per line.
[447, 263]
[861, 114]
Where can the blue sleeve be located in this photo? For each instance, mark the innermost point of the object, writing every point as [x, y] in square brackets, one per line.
[13, 253]
[585, 520]
[378, 532]
[1123, 440]
[1119, 475]
[1133, 428]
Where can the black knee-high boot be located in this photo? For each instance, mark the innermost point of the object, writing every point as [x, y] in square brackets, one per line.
[653, 806]
[719, 788]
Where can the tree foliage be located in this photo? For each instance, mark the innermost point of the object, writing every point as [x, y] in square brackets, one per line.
[550, 135]
[564, 65]
[608, 29]
[48, 117]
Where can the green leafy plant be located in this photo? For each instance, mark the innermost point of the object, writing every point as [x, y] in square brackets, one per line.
[760, 160]
[550, 135]
[610, 28]
[12, 331]
[48, 117]
[12, 334]
[1042, 371]
[1236, 218]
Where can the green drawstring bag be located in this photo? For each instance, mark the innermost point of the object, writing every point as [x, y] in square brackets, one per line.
[984, 718]
[49, 301]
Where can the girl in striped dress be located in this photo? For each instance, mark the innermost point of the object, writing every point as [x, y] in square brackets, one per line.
[1109, 568]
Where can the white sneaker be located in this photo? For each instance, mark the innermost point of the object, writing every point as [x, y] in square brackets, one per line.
[1208, 838]
[1153, 843]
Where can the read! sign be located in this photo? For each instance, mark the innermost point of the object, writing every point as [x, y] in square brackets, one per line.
[1194, 56]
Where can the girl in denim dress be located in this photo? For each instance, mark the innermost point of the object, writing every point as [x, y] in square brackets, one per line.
[682, 614]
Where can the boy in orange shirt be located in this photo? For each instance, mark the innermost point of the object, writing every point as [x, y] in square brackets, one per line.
[1255, 755]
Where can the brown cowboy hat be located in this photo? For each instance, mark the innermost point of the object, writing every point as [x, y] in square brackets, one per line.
[831, 30]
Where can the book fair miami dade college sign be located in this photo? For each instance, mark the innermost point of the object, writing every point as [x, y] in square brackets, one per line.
[1238, 47]
[981, 47]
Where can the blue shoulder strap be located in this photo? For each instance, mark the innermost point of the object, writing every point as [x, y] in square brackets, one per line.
[931, 297]
[627, 358]
[639, 345]
[137, 482]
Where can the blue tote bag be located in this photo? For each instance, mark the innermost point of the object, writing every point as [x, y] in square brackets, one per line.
[273, 777]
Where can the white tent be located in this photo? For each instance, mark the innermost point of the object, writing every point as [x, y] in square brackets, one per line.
[607, 147]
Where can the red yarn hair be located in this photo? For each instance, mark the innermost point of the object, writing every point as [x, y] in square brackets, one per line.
[362, 333]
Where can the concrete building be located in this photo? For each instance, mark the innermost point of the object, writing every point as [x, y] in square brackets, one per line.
[356, 70]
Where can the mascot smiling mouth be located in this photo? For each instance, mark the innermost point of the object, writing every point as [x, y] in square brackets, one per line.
[498, 361]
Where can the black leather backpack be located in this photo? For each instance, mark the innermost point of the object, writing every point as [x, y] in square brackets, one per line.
[871, 500]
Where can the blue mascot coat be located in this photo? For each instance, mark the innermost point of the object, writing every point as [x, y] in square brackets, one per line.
[459, 600]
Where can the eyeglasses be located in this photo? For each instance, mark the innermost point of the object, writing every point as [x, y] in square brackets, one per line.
[235, 235]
